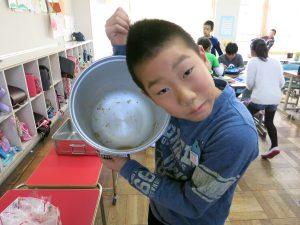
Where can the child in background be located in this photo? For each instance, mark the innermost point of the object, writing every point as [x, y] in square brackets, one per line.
[270, 39]
[216, 69]
[208, 27]
[265, 79]
[211, 138]
[232, 59]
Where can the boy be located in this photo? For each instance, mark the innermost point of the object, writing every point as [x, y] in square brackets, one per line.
[270, 39]
[232, 58]
[211, 138]
[208, 27]
[216, 69]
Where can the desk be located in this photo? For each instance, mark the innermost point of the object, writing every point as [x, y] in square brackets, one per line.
[236, 81]
[76, 206]
[292, 74]
[63, 171]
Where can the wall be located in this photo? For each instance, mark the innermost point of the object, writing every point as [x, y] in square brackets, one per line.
[25, 30]
[101, 10]
[226, 8]
[191, 19]
[82, 17]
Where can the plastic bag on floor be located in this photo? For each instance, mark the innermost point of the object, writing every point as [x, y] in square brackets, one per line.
[28, 210]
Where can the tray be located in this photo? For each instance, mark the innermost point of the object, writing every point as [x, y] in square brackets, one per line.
[69, 142]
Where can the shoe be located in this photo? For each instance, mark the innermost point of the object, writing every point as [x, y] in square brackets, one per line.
[271, 153]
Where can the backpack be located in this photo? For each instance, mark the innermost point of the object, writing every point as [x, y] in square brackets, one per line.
[45, 77]
[33, 84]
[76, 61]
[67, 67]
[78, 36]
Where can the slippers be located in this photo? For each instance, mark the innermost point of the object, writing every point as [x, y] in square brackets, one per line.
[271, 153]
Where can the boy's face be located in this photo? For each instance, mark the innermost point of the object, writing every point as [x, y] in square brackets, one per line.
[230, 56]
[206, 30]
[271, 34]
[177, 80]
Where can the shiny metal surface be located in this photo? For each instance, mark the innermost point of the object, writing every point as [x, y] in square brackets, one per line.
[111, 113]
[66, 132]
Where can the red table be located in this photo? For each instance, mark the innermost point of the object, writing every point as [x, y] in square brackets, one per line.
[60, 171]
[76, 206]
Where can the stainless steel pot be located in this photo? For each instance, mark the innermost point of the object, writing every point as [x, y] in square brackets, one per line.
[111, 113]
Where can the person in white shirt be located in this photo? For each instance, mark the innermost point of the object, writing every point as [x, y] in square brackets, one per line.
[265, 79]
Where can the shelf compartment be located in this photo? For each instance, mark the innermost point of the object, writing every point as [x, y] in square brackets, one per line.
[45, 61]
[55, 68]
[80, 51]
[84, 47]
[60, 91]
[16, 77]
[8, 126]
[39, 106]
[76, 52]
[38, 95]
[21, 107]
[4, 99]
[33, 68]
[50, 97]
[62, 53]
[70, 52]
[26, 115]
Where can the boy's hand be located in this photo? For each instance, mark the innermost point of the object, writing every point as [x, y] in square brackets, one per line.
[225, 67]
[203, 57]
[117, 27]
[115, 163]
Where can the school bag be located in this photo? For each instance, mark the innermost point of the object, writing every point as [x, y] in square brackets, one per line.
[67, 67]
[45, 77]
[33, 84]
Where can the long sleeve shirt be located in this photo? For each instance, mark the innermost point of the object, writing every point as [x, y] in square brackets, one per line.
[215, 46]
[237, 61]
[265, 79]
[198, 164]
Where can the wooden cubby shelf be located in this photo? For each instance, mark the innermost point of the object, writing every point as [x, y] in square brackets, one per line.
[13, 72]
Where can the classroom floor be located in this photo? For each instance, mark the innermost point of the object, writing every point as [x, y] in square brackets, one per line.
[268, 194]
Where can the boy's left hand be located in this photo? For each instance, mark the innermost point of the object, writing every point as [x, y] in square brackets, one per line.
[115, 163]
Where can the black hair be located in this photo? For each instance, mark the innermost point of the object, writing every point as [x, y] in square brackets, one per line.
[146, 38]
[231, 48]
[210, 23]
[274, 31]
[205, 42]
[260, 48]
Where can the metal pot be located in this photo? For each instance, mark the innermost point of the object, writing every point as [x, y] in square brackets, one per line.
[111, 113]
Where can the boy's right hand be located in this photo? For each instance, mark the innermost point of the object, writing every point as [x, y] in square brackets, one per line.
[117, 27]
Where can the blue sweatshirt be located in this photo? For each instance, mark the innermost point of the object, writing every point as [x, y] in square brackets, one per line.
[198, 164]
[215, 46]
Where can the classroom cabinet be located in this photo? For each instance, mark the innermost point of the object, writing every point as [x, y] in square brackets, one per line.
[13, 72]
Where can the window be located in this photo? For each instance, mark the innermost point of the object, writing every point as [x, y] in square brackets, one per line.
[249, 24]
[190, 15]
[284, 17]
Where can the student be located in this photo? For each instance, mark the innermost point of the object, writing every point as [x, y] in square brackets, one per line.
[270, 39]
[265, 79]
[208, 27]
[211, 138]
[232, 58]
[216, 69]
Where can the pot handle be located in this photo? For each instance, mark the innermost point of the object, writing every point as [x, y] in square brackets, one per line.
[110, 157]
